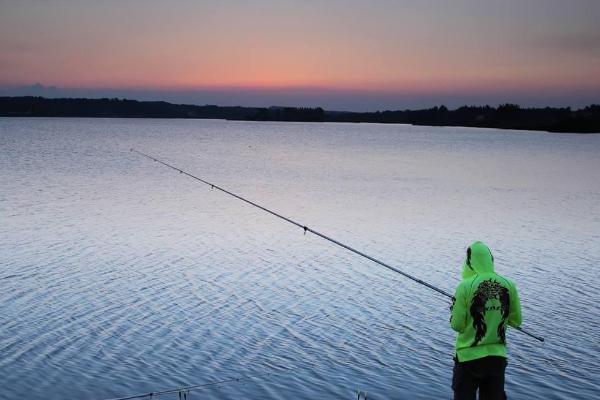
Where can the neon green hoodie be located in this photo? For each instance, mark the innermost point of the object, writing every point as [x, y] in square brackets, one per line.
[484, 304]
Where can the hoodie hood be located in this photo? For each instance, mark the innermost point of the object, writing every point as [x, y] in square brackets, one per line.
[479, 260]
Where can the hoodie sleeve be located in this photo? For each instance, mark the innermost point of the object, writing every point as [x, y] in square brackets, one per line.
[514, 317]
[458, 319]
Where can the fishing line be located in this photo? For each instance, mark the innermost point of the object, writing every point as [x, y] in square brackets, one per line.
[319, 234]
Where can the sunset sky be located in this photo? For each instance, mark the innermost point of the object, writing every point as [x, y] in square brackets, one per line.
[360, 55]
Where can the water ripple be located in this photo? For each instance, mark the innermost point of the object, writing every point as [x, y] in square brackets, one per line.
[121, 277]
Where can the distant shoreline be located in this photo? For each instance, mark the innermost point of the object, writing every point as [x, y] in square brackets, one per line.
[508, 116]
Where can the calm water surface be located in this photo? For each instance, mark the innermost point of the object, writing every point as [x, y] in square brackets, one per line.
[119, 276]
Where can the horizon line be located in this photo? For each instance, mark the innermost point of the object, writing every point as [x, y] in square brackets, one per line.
[343, 99]
[440, 106]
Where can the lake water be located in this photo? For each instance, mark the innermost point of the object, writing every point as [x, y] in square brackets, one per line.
[120, 276]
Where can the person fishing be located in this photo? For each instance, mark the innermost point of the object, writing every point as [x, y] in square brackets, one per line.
[485, 303]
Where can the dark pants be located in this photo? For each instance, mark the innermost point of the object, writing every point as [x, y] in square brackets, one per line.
[485, 374]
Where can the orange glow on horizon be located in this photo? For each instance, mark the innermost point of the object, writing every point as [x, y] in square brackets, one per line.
[407, 87]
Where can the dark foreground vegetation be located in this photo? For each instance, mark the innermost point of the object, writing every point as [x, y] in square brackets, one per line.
[508, 116]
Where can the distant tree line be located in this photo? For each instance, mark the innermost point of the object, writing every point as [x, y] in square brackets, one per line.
[507, 116]
[300, 114]
[115, 108]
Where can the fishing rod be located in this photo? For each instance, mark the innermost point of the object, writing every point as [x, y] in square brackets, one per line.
[184, 390]
[317, 233]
